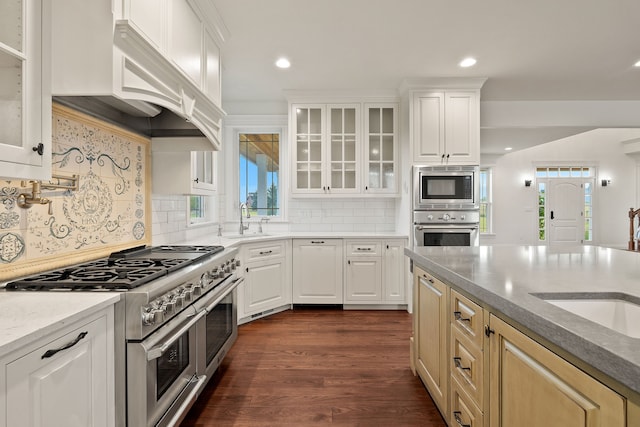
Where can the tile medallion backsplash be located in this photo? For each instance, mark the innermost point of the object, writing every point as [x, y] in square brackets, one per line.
[109, 211]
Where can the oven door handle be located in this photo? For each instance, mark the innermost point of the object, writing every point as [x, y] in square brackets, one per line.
[445, 228]
[158, 351]
[222, 296]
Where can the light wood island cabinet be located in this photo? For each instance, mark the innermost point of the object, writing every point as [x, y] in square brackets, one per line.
[532, 386]
[431, 331]
[483, 372]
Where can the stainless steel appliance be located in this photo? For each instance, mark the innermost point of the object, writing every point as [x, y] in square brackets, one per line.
[446, 228]
[176, 320]
[446, 187]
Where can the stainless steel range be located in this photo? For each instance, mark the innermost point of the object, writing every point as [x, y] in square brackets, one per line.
[176, 321]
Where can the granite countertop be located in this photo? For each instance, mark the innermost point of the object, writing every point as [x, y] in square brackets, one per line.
[29, 316]
[503, 278]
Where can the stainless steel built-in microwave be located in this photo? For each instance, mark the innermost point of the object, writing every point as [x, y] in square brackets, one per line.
[446, 187]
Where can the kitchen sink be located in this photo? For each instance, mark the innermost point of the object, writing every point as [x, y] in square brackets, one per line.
[617, 311]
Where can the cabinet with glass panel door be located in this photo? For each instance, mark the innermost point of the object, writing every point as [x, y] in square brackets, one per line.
[25, 101]
[326, 148]
[380, 151]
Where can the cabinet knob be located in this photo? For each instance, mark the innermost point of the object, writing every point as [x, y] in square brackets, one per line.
[39, 148]
[197, 180]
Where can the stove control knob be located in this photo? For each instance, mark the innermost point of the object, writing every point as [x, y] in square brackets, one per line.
[188, 293]
[462, 217]
[446, 217]
[429, 217]
[196, 289]
[237, 263]
[169, 306]
[179, 298]
[227, 268]
[158, 316]
[233, 264]
[148, 318]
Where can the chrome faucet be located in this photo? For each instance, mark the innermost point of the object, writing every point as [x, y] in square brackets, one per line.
[242, 226]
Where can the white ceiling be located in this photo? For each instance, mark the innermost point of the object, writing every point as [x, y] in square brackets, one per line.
[533, 51]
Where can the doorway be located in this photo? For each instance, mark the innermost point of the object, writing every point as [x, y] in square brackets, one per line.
[565, 201]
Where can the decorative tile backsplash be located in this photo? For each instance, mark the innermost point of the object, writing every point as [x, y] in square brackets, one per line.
[110, 209]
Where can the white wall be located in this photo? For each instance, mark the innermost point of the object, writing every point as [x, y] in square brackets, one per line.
[514, 205]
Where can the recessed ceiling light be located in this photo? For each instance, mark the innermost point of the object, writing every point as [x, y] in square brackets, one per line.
[637, 64]
[468, 62]
[508, 149]
[283, 63]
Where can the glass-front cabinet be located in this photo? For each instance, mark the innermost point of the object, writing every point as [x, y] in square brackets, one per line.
[344, 149]
[380, 148]
[326, 148]
[344, 122]
[25, 101]
[308, 131]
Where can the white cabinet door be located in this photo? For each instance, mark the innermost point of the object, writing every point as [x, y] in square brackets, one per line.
[192, 172]
[185, 40]
[25, 91]
[462, 128]
[363, 280]
[342, 168]
[380, 149]
[317, 271]
[445, 127]
[265, 285]
[66, 382]
[394, 289]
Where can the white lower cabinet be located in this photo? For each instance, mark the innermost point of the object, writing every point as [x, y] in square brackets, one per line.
[267, 278]
[317, 271]
[64, 380]
[375, 271]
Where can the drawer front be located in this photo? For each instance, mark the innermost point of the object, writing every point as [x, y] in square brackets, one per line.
[467, 316]
[463, 411]
[467, 365]
[363, 247]
[264, 250]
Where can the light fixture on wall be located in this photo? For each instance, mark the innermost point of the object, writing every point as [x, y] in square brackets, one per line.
[605, 182]
[527, 183]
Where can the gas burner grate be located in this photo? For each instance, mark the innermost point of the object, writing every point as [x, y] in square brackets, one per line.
[89, 277]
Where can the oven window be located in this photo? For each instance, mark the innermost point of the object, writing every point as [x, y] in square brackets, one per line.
[447, 239]
[219, 326]
[171, 364]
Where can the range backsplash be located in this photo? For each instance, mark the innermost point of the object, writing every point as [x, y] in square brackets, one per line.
[110, 210]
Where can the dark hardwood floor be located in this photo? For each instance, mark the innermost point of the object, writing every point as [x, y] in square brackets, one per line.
[313, 367]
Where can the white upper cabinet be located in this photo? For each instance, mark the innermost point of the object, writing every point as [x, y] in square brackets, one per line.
[381, 149]
[162, 52]
[344, 149]
[25, 97]
[445, 127]
[192, 172]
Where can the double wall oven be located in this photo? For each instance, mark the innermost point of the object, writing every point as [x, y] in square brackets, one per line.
[446, 205]
[176, 321]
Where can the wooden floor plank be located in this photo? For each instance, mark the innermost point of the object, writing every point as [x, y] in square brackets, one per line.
[315, 367]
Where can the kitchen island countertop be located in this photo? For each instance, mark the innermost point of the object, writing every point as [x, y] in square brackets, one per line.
[28, 316]
[503, 279]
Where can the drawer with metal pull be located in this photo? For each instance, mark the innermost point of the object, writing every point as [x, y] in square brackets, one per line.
[467, 316]
[464, 412]
[264, 250]
[467, 365]
[363, 247]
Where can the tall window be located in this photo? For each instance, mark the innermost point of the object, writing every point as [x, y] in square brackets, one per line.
[259, 172]
[485, 200]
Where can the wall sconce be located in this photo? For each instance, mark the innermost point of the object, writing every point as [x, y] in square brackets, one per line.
[527, 183]
[606, 182]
